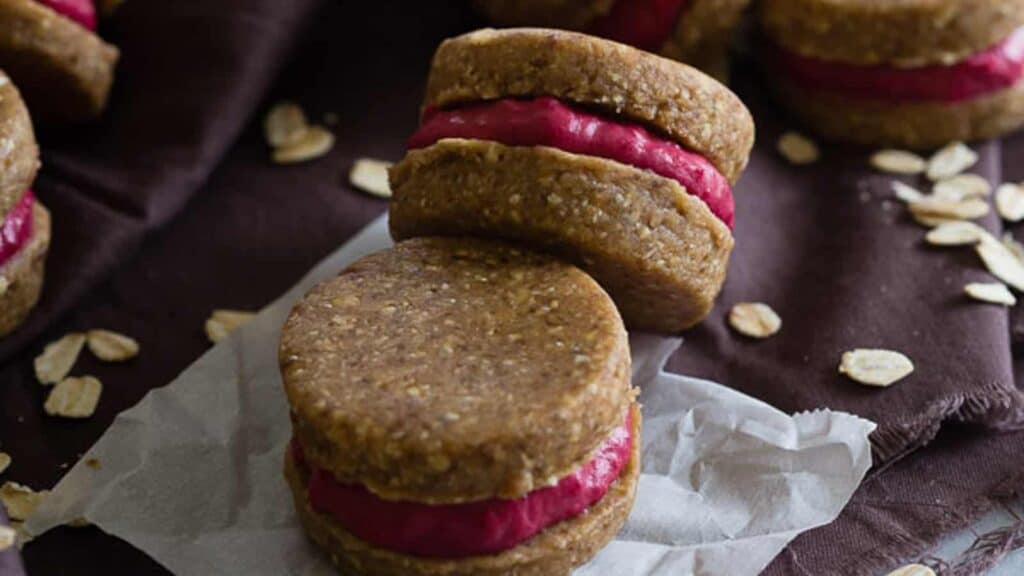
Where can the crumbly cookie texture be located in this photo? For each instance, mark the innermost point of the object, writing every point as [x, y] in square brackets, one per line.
[19, 154]
[553, 552]
[917, 125]
[64, 69]
[455, 369]
[674, 99]
[24, 274]
[900, 32]
[659, 252]
[704, 34]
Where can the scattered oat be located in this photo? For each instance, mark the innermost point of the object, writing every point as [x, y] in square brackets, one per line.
[371, 176]
[898, 162]
[1016, 248]
[962, 186]
[913, 570]
[111, 346]
[906, 192]
[955, 233]
[223, 322]
[931, 221]
[1010, 202]
[953, 210]
[7, 537]
[798, 149]
[58, 357]
[1001, 262]
[754, 319]
[875, 367]
[20, 500]
[316, 142]
[74, 397]
[992, 292]
[950, 161]
[285, 124]
[23, 537]
[5, 461]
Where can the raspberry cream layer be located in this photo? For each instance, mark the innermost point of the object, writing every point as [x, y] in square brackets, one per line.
[992, 70]
[473, 528]
[548, 122]
[16, 228]
[646, 24]
[81, 11]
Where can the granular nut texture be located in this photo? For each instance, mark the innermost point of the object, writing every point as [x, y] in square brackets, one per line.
[453, 370]
[19, 154]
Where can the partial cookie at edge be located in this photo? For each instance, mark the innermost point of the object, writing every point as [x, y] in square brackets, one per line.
[19, 154]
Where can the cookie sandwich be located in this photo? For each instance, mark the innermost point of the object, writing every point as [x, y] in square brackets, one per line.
[24, 222]
[698, 32]
[51, 50]
[905, 73]
[460, 407]
[620, 161]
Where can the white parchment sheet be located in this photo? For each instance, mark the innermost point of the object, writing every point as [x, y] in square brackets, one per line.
[192, 474]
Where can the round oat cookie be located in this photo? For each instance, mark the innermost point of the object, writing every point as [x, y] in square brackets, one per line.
[672, 98]
[453, 369]
[24, 274]
[658, 251]
[63, 69]
[917, 125]
[899, 32]
[553, 552]
[19, 154]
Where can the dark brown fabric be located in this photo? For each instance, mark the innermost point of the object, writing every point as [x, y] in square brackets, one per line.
[842, 265]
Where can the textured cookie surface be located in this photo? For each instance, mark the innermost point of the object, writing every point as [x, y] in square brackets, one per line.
[902, 32]
[63, 69]
[24, 274]
[670, 97]
[553, 552]
[920, 125]
[19, 154]
[450, 370]
[659, 252]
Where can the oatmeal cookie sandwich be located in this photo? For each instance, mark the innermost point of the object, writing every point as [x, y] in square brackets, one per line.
[617, 160]
[909, 73]
[51, 50]
[698, 32]
[24, 222]
[460, 407]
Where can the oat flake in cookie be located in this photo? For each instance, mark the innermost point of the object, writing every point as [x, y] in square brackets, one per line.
[444, 383]
[617, 160]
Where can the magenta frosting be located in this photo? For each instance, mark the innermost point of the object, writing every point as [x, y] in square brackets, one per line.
[994, 69]
[549, 122]
[469, 529]
[16, 228]
[81, 11]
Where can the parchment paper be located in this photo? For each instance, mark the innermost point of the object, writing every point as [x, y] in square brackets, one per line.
[192, 474]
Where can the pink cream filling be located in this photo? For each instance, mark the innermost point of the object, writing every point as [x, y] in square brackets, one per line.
[16, 228]
[81, 11]
[997, 68]
[473, 528]
[646, 24]
[549, 122]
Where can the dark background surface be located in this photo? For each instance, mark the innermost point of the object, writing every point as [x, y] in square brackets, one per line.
[825, 245]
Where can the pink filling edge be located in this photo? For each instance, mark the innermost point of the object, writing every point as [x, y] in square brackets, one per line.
[16, 228]
[80, 11]
[999, 67]
[472, 528]
[549, 122]
[646, 24]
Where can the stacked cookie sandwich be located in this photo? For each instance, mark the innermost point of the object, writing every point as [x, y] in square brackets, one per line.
[698, 32]
[899, 72]
[51, 50]
[617, 160]
[24, 222]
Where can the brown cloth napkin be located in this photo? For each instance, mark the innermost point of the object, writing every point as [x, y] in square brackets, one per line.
[824, 245]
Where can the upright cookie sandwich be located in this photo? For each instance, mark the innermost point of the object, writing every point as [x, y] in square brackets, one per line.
[617, 160]
[460, 407]
[24, 222]
[698, 32]
[909, 73]
[50, 49]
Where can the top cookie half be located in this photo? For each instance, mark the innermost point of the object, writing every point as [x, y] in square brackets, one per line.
[668, 97]
[19, 154]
